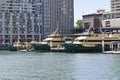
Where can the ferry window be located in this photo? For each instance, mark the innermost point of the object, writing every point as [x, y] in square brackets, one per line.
[76, 40]
[86, 40]
[94, 40]
[68, 39]
[96, 35]
[88, 35]
[81, 40]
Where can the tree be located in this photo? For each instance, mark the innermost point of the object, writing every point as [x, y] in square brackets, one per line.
[79, 24]
[79, 27]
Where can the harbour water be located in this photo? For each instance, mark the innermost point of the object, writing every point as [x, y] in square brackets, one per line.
[58, 66]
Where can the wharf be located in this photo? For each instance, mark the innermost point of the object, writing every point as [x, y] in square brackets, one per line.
[111, 52]
[4, 48]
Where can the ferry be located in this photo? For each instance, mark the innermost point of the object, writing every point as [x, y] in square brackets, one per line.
[20, 46]
[15, 47]
[53, 42]
[91, 43]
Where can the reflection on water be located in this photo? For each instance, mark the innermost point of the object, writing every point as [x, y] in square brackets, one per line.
[58, 66]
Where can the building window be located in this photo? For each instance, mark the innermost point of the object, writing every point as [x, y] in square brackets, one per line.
[107, 16]
[107, 23]
[86, 25]
[113, 16]
[118, 15]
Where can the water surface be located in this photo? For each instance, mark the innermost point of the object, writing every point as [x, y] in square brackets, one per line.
[58, 66]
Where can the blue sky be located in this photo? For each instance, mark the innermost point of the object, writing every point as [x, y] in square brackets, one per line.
[82, 7]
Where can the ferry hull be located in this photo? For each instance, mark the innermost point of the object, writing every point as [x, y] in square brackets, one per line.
[13, 48]
[16, 48]
[77, 48]
[41, 47]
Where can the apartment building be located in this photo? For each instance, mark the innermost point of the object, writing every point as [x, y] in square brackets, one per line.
[33, 20]
[21, 20]
[111, 22]
[58, 14]
[108, 21]
[115, 5]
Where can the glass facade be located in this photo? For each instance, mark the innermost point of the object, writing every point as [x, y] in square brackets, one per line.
[58, 14]
[21, 20]
[33, 20]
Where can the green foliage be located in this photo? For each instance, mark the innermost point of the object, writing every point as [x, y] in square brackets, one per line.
[79, 24]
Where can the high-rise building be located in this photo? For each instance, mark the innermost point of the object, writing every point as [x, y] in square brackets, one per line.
[58, 14]
[21, 20]
[115, 5]
[33, 20]
[111, 19]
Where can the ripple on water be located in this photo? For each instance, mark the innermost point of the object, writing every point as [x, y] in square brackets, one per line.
[58, 66]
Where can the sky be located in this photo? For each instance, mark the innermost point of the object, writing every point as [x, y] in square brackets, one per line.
[83, 7]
